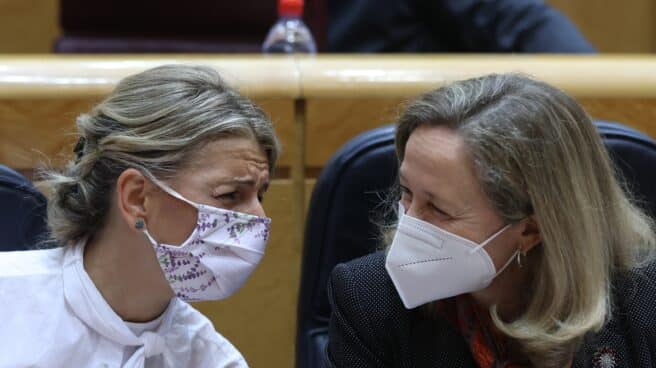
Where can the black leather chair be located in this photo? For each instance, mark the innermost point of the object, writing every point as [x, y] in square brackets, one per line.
[634, 154]
[346, 202]
[341, 225]
[22, 212]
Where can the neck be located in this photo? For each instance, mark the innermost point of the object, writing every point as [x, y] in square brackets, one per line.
[124, 268]
[508, 291]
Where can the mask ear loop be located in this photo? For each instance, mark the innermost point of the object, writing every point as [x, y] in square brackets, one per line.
[170, 191]
[508, 262]
[140, 225]
[486, 242]
[152, 241]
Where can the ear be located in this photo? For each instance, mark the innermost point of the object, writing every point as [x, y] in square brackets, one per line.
[530, 235]
[132, 188]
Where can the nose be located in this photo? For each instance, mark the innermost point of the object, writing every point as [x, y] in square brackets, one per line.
[404, 206]
[410, 207]
[413, 209]
[253, 207]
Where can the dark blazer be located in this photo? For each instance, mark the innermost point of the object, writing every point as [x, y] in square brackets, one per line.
[450, 26]
[370, 327]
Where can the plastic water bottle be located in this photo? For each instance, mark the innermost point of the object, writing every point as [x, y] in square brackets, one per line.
[289, 34]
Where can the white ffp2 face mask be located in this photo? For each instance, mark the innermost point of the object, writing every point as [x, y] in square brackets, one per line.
[223, 250]
[427, 263]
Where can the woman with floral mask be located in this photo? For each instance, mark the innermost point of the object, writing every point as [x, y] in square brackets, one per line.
[161, 206]
[515, 246]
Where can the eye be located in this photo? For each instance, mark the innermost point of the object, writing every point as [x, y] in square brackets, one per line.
[262, 191]
[439, 211]
[405, 191]
[230, 196]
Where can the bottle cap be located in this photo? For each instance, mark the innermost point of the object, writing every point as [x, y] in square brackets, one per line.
[290, 8]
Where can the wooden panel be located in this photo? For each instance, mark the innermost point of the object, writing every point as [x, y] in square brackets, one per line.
[332, 122]
[637, 113]
[614, 26]
[297, 207]
[28, 26]
[309, 187]
[260, 319]
[35, 131]
[281, 112]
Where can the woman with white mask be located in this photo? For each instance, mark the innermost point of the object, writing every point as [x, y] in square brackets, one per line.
[515, 245]
[160, 206]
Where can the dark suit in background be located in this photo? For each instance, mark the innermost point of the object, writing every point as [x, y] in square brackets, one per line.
[450, 26]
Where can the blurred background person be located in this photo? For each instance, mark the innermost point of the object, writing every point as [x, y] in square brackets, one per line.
[337, 25]
[451, 26]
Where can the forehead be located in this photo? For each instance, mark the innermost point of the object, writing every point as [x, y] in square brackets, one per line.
[436, 160]
[228, 157]
[434, 148]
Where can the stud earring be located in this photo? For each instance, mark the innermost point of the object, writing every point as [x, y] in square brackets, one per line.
[140, 224]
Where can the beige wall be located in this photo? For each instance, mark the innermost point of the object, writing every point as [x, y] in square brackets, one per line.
[31, 26]
[28, 26]
[612, 25]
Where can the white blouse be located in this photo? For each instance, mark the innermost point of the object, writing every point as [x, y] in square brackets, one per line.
[53, 316]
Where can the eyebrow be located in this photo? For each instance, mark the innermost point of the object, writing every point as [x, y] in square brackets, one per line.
[246, 180]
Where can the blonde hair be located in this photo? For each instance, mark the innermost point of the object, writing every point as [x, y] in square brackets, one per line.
[537, 152]
[153, 121]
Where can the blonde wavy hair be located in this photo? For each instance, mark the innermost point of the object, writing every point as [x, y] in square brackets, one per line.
[153, 121]
[537, 152]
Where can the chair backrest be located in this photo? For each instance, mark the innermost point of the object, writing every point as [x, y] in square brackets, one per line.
[22, 213]
[348, 195]
[634, 154]
[339, 227]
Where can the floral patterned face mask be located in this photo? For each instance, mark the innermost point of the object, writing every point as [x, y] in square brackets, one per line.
[215, 261]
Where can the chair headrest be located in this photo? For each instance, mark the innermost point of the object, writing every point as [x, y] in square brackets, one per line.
[634, 155]
[23, 212]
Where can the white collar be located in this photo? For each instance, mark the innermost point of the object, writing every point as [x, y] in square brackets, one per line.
[87, 303]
